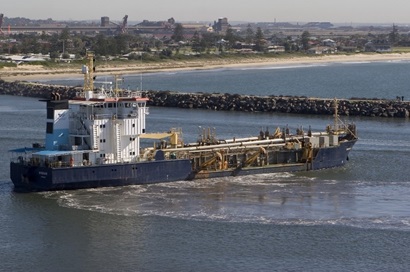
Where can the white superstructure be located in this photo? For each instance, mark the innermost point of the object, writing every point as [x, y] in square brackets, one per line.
[98, 126]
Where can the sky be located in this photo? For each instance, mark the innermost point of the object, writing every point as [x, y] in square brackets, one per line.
[341, 11]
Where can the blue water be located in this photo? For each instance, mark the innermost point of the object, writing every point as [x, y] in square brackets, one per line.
[326, 80]
[354, 218]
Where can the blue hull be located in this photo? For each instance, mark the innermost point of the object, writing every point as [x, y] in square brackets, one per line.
[32, 178]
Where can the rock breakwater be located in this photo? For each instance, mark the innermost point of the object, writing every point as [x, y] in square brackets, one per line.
[233, 102]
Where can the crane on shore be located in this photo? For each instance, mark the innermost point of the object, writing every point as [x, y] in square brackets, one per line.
[122, 28]
[124, 24]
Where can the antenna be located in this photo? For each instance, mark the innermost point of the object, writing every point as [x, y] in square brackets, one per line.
[336, 119]
[141, 75]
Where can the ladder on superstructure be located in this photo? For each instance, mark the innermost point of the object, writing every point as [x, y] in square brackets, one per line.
[118, 141]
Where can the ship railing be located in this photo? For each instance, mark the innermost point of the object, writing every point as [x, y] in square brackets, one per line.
[184, 155]
[60, 164]
[128, 93]
[105, 161]
[63, 164]
[110, 161]
[343, 128]
[129, 115]
[78, 147]
[21, 159]
[102, 116]
[28, 160]
[80, 94]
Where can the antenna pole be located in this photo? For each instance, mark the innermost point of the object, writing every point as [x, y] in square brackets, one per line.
[336, 113]
[88, 72]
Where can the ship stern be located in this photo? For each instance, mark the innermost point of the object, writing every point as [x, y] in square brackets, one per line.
[28, 178]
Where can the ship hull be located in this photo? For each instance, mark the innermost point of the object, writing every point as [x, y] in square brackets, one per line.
[32, 178]
[28, 178]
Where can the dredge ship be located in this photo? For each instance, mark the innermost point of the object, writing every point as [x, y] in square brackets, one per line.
[93, 140]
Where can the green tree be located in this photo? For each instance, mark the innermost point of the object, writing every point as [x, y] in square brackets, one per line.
[134, 56]
[123, 42]
[65, 34]
[55, 44]
[165, 53]
[288, 46]
[230, 37]
[112, 47]
[30, 44]
[54, 55]
[65, 55]
[209, 40]
[196, 43]
[14, 49]
[78, 46]
[158, 44]
[394, 35]
[43, 36]
[249, 35]
[100, 46]
[260, 42]
[305, 38]
[153, 43]
[178, 33]
[64, 37]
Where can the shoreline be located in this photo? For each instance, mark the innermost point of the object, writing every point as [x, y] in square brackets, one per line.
[38, 72]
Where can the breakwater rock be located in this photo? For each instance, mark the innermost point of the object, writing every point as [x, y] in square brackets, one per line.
[234, 102]
[37, 90]
[284, 104]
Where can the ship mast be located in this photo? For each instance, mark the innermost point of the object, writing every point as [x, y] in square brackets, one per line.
[336, 115]
[88, 71]
[117, 78]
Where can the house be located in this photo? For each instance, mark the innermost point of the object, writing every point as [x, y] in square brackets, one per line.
[348, 49]
[276, 49]
[329, 43]
[25, 58]
[318, 50]
[377, 47]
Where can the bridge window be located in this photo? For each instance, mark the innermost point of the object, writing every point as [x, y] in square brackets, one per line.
[50, 113]
[50, 126]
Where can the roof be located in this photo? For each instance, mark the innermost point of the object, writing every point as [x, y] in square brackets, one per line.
[24, 149]
[52, 153]
[56, 153]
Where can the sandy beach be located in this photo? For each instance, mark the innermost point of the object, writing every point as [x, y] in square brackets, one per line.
[38, 72]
